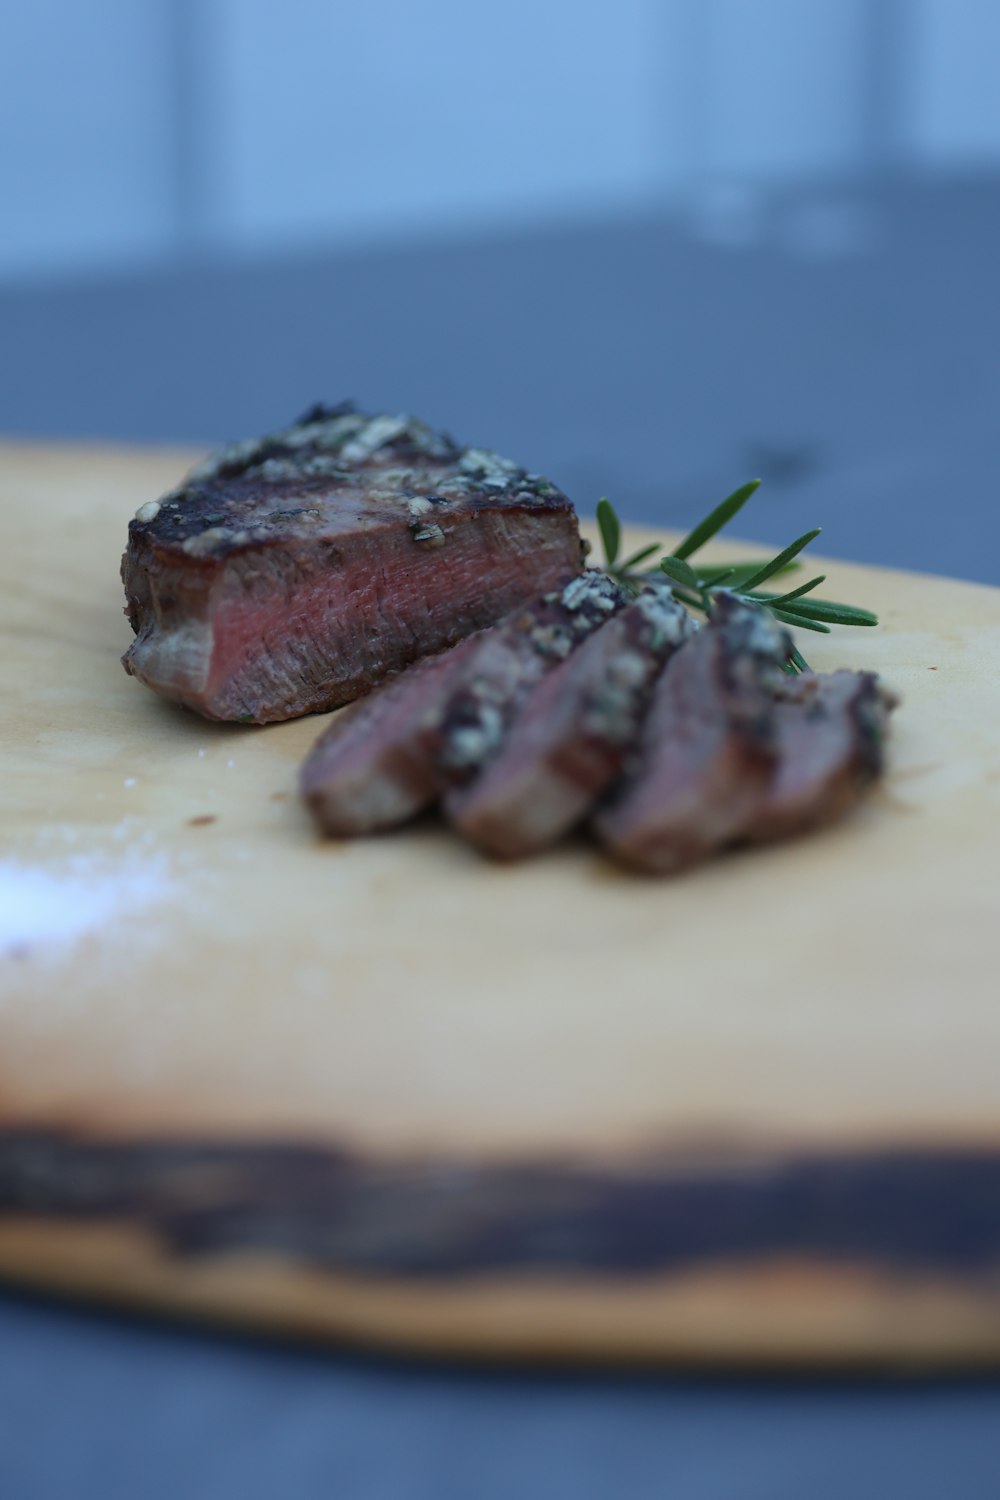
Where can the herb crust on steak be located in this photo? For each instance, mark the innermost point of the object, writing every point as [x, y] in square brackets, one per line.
[292, 573]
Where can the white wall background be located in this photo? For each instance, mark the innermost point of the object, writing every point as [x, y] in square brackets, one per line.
[764, 89]
[133, 130]
[85, 132]
[450, 112]
[954, 100]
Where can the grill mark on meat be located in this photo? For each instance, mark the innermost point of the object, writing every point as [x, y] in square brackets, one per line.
[573, 735]
[708, 746]
[830, 733]
[289, 574]
[392, 755]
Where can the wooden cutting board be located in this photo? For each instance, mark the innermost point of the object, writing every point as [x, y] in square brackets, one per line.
[392, 1093]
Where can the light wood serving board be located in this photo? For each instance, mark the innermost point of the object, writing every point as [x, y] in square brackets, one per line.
[390, 1092]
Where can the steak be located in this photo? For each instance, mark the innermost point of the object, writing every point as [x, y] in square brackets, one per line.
[397, 751]
[830, 731]
[572, 737]
[290, 574]
[708, 746]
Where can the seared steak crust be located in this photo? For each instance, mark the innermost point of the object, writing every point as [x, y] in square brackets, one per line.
[572, 737]
[708, 747]
[830, 731]
[292, 573]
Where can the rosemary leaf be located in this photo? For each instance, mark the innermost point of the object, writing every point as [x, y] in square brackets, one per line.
[718, 518]
[635, 558]
[741, 571]
[716, 579]
[835, 614]
[610, 529]
[769, 569]
[787, 618]
[803, 588]
[817, 609]
[681, 572]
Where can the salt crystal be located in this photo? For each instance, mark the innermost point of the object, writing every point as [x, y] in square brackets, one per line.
[60, 904]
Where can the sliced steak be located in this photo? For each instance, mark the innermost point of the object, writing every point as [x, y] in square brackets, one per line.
[573, 734]
[393, 754]
[830, 732]
[375, 766]
[291, 574]
[707, 749]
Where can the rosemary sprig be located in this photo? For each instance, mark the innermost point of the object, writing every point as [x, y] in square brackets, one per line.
[694, 585]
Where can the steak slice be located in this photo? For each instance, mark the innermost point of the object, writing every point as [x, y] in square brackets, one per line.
[830, 733]
[374, 766]
[396, 752]
[707, 750]
[571, 739]
[291, 574]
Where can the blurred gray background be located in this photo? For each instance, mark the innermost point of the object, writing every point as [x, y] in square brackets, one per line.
[648, 246]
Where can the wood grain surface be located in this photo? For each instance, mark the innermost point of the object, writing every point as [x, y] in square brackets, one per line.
[388, 1091]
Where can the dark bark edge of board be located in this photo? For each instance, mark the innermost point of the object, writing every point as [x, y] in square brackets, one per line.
[902, 1210]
